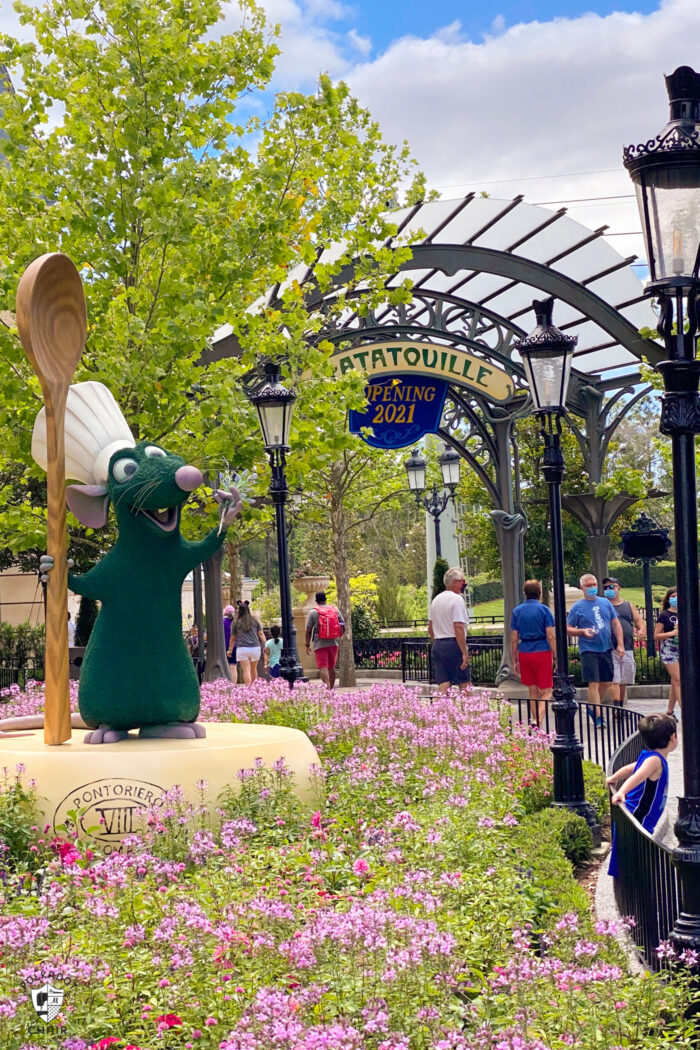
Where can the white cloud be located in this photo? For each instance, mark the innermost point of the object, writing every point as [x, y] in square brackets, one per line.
[363, 44]
[540, 98]
[308, 45]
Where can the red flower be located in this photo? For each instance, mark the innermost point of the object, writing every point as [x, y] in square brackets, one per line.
[169, 1020]
[109, 1040]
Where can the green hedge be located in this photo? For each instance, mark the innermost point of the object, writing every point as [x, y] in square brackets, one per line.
[570, 832]
[663, 574]
[486, 592]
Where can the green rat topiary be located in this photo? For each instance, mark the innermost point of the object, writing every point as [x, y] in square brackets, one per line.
[137, 672]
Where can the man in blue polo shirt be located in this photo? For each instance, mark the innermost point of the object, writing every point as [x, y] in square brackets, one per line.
[593, 621]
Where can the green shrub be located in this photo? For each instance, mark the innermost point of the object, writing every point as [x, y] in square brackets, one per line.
[550, 885]
[87, 614]
[663, 573]
[364, 624]
[596, 790]
[392, 599]
[439, 569]
[22, 645]
[570, 831]
[488, 591]
[19, 818]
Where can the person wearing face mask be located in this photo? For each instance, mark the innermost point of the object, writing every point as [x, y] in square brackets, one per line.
[447, 626]
[666, 633]
[594, 621]
[624, 667]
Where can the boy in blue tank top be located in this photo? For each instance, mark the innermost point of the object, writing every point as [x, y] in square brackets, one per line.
[646, 780]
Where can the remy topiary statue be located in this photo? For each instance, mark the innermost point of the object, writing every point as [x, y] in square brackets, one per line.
[137, 672]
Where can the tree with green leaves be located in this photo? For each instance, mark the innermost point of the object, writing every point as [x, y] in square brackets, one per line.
[347, 483]
[130, 146]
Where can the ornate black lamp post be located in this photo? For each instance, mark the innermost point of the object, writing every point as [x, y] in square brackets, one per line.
[666, 174]
[645, 543]
[274, 406]
[436, 501]
[547, 355]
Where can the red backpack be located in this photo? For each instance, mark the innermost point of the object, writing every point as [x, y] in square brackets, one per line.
[328, 622]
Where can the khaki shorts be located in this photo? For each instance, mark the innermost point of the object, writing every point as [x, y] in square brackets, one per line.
[624, 667]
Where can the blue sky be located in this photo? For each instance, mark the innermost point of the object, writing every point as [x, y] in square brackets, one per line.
[385, 20]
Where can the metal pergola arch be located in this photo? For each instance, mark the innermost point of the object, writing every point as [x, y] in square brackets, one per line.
[477, 297]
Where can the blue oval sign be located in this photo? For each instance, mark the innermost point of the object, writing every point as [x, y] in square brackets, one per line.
[401, 409]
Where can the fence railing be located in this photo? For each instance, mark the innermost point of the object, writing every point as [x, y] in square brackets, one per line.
[416, 662]
[601, 737]
[415, 624]
[647, 885]
[10, 675]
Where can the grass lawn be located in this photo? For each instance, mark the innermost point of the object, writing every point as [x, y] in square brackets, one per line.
[632, 594]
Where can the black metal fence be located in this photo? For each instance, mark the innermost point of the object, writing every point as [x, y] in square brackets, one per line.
[650, 670]
[415, 624]
[10, 675]
[416, 663]
[647, 886]
[601, 730]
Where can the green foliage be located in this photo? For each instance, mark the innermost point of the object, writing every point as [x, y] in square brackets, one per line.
[22, 645]
[268, 605]
[19, 819]
[439, 569]
[85, 621]
[570, 832]
[663, 574]
[624, 480]
[488, 591]
[551, 885]
[364, 623]
[266, 797]
[363, 591]
[147, 174]
[596, 790]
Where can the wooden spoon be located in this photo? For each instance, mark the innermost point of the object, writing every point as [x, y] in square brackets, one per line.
[52, 325]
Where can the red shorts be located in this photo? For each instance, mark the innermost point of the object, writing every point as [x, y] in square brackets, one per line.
[326, 657]
[536, 669]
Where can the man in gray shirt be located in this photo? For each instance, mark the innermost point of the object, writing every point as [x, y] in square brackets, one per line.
[325, 649]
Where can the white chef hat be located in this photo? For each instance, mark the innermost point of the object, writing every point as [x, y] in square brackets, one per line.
[95, 429]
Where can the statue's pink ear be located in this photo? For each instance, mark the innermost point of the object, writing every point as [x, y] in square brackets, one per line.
[89, 503]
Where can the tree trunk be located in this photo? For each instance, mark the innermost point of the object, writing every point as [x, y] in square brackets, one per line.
[346, 658]
[235, 584]
[216, 665]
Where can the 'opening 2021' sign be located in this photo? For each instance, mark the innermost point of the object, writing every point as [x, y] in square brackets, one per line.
[407, 385]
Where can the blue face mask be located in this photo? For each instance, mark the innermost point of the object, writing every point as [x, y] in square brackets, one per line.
[609, 592]
[591, 591]
[673, 602]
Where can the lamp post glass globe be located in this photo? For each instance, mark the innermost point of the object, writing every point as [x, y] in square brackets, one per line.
[450, 462]
[547, 355]
[274, 405]
[416, 469]
[666, 176]
[548, 372]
